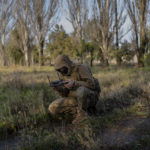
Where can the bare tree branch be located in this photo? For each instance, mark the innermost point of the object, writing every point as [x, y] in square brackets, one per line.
[6, 22]
[43, 17]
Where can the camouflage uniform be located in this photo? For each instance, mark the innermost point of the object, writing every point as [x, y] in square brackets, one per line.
[84, 94]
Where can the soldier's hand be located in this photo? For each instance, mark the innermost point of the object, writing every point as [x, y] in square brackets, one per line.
[55, 88]
[70, 83]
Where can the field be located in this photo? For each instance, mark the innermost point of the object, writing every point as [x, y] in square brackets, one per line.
[122, 122]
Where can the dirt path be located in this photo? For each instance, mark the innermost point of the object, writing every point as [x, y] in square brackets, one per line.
[126, 132]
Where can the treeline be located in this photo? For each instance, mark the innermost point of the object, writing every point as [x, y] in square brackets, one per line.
[30, 34]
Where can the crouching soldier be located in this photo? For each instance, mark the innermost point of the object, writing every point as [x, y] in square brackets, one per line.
[83, 90]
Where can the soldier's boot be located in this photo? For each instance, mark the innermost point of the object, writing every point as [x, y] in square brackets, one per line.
[81, 116]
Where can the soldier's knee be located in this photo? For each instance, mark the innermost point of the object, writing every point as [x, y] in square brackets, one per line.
[52, 109]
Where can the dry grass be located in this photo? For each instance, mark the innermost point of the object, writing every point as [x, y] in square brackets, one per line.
[25, 96]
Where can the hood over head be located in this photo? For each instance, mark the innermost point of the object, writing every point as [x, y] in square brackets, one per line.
[63, 61]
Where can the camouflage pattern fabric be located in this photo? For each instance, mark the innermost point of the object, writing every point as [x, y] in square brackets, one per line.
[63, 106]
[85, 93]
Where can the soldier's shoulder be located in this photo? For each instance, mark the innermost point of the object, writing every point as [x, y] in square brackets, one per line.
[82, 67]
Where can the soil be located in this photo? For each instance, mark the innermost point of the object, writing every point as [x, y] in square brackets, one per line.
[125, 132]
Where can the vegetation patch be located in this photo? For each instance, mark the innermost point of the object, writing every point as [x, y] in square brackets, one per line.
[25, 97]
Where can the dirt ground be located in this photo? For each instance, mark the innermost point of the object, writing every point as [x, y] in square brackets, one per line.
[123, 133]
[126, 132]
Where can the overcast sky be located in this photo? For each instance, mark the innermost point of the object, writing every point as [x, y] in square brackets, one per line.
[68, 27]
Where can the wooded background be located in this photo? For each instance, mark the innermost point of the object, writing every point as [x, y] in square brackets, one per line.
[30, 32]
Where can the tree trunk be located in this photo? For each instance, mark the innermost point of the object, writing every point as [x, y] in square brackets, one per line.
[2, 56]
[118, 58]
[140, 56]
[27, 56]
[101, 56]
[39, 57]
[142, 33]
[1, 59]
[32, 58]
[41, 54]
[106, 64]
[91, 59]
[105, 53]
[91, 62]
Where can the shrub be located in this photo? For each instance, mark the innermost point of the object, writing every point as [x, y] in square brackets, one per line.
[147, 59]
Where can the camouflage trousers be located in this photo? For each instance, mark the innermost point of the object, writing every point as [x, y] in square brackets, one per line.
[82, 98]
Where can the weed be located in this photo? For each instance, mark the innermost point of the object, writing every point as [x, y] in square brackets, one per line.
[25, 96]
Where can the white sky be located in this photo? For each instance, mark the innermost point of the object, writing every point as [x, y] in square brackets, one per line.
[68, 27]
[66, 24]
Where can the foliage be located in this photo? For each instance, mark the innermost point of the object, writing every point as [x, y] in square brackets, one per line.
[22, 105]
[25, 96]
[147, 59]
[125, 52]
[90, 48]
[59, 42]
[15, 48]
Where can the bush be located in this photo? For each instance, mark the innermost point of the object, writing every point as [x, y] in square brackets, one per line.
[147, 59]
[119, 99]
[23, 105]
[50, 142]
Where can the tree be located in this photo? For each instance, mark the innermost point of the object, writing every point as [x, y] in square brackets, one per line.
[126, 52]
[15, 48]
[90, 48]
[6, 23]
[77, 11]
[59, 42]
[104, 26]
[23, 25]
[138, 11]
[120, 19]
[43, 15]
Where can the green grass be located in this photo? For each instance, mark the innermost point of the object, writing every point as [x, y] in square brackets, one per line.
[24, 106]
[25, 96]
